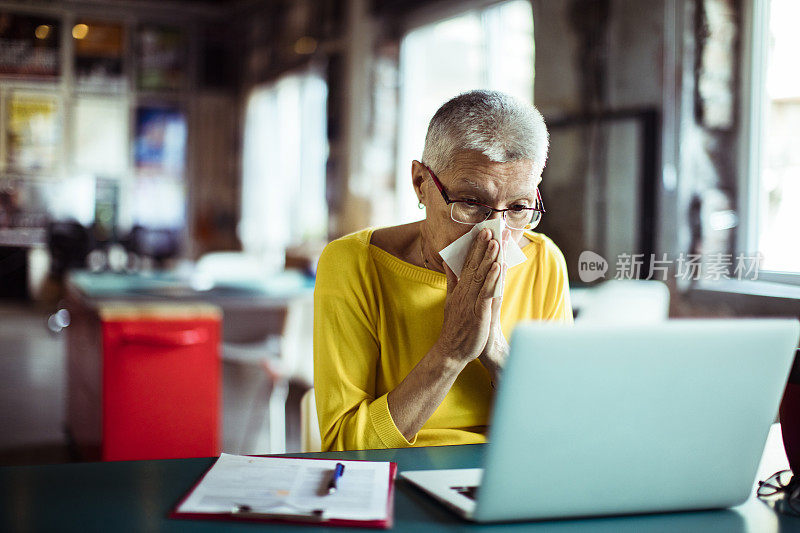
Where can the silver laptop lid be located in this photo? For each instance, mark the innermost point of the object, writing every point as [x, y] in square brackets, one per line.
[613, 419]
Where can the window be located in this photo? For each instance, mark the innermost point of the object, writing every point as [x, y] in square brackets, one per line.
[285, 153]
[772, 183]
[490, 48]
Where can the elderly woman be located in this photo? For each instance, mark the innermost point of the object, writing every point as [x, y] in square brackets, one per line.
[406, 353]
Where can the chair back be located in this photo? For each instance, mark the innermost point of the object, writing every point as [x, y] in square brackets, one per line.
[309, 423]
[621, 301]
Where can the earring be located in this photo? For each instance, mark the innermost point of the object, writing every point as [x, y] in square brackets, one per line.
[421, 205]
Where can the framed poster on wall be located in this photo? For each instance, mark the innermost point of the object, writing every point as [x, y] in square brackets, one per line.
[29, 46]
[160, 142]
[101, 135]
[33, 132]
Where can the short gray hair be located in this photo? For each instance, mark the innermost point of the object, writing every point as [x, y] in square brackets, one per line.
[501, 127]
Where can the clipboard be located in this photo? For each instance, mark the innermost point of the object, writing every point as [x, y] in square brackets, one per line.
[243, 514]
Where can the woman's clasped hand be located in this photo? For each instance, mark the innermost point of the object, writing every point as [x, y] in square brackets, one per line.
[471, 326]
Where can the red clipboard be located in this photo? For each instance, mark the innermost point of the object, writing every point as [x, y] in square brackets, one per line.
[290, 519]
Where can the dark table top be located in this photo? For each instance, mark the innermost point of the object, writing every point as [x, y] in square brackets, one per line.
[138, 496]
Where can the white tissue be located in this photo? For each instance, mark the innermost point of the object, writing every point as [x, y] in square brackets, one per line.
[456, 253]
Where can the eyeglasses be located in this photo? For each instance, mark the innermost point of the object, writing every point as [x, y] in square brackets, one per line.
[781, 491]
[470, 212]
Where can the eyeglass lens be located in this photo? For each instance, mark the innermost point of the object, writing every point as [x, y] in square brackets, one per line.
[467, 213]
[781, 492]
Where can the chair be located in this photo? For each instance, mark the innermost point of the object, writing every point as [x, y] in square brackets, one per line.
[629, 301]
[277, 340]
[309, 423]
[253, 338]
[274, 337]
[69, 242]
[159, 244]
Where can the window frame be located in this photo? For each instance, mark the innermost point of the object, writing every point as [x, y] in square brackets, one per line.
[755, 32]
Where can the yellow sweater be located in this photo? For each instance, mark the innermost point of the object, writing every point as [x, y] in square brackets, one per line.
[376, 316]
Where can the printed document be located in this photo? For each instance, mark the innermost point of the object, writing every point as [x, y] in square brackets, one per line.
[289, 486]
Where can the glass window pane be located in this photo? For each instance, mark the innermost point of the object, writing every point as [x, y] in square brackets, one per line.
[490, 48]
[284, 167]
[779, 209]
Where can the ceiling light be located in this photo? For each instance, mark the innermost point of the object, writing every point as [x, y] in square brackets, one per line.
[79, 31]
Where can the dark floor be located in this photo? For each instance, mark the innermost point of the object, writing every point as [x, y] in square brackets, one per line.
[32, 395]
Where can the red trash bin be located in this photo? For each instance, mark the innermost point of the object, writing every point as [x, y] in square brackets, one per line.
[159, 390]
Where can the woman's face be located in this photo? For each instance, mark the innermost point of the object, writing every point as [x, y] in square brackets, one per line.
[472, 176]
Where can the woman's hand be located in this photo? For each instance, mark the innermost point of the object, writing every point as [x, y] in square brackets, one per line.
[494, 354]
[471, 328]
[468, 307]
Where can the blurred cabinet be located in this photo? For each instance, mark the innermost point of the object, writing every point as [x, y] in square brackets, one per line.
[143, 379]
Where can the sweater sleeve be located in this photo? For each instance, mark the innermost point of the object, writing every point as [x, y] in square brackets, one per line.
[346, 353]
[558, 306]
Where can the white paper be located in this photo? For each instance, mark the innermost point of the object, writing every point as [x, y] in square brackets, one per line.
[281, 485]
[456, 253]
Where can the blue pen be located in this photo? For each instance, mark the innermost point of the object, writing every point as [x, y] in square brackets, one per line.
[337, 473]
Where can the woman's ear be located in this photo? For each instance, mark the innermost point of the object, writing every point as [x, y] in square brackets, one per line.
[419, 175]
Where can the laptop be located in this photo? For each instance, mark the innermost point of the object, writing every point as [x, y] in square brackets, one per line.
[600, 419]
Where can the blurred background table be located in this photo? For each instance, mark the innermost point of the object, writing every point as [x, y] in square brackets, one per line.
[266, 339]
